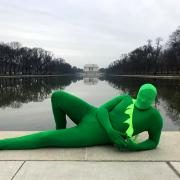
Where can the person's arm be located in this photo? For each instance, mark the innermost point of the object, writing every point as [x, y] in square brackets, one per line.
[109, 105]
[154, 136]
[114, 135]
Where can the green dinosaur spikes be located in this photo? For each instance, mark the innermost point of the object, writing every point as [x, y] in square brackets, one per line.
[129, 112]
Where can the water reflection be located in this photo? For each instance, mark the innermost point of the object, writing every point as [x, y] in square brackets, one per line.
[35, 92]
[90, 79]
[15, 91]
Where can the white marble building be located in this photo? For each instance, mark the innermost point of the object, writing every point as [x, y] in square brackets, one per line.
[91, 68]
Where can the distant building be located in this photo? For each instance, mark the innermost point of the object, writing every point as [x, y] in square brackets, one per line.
[91, 68]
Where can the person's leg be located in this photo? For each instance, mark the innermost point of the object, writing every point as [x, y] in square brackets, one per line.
[65, 103]
[88, 133]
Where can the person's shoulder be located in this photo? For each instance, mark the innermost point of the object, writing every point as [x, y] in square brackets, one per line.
[122, 96]
[156, 116]
[155, 111]
[127, 95]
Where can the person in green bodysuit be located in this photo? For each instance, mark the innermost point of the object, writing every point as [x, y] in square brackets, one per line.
[114, 122]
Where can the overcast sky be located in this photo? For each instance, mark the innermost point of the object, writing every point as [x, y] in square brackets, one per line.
[87, 31]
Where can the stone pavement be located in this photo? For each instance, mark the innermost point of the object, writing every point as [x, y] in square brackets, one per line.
[98, 162]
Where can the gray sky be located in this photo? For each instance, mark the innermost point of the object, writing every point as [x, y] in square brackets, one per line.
[87, 31]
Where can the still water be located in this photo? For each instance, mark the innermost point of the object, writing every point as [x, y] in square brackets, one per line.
[25, 103]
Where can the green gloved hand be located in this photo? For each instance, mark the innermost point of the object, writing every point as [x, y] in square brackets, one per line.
[117, 139]
[130, 144]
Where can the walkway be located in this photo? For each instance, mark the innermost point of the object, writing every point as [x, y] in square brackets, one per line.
[99, 162]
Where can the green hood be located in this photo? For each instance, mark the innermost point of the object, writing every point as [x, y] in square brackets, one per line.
[146, 96]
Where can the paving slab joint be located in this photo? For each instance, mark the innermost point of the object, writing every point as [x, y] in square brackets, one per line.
[173, 169]
[18, 170]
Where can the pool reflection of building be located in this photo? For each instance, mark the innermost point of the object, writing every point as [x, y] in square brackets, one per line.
[90, 80]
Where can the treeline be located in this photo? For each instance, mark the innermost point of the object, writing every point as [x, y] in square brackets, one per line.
[149, 59]
[18, 60]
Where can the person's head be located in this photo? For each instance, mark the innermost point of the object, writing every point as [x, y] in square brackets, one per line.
[146, 96]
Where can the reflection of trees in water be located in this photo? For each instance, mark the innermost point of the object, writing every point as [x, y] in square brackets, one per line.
[168, 91]
[15, 91]
[126, 85]
[173, 114]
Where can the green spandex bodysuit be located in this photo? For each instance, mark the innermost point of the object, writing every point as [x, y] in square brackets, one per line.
[114, 122]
